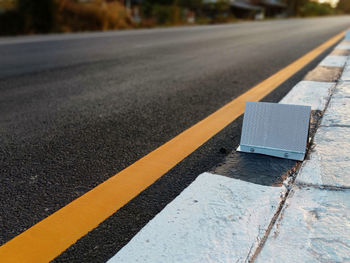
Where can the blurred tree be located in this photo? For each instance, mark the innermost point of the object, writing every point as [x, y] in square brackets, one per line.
[168, 11]
[11, 23]
[344, 6]
[38, 15]
[163, 14]
[316, 9]
[218, 11]
[6, 5]
[194, 5]
[294, 6]
[149, 5]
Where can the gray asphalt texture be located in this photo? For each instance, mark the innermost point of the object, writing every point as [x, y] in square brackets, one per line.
[76, 109]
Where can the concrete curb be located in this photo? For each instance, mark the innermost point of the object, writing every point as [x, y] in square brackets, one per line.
[314, 224]
[221, 219]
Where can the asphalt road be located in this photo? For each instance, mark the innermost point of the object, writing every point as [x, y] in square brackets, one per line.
[75, 109]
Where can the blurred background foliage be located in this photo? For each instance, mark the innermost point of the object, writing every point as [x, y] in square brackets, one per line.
[46, 16]
[316, 9]
[344, 6]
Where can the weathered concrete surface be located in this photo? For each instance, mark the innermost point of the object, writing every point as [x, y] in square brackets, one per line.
[310, 93]
[340, 52]
[342, 91]
[346, 73]
[330, 159]
[314, 226]
[338, 111]
[343, 46]
[333, 61]
[329, 162]
[324, 74]
[215, 219]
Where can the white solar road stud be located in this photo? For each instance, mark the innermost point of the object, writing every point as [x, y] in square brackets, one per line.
[275, 129]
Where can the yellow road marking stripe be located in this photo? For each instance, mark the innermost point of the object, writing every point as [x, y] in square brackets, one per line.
[51, 236]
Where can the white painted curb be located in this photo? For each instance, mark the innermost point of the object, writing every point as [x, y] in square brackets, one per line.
[215, 219]
[312, 93]
[314, 225]
[334, 61]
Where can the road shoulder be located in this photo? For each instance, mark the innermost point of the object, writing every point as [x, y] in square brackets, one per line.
[292, 205]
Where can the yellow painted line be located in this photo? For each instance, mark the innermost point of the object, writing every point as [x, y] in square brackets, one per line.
[51, 236]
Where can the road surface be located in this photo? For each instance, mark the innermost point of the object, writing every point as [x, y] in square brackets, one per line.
[76, 109]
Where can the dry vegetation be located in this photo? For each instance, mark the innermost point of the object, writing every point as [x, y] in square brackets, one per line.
[97, 15]
[46, 16]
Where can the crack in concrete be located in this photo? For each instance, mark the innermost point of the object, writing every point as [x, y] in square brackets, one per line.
[323, 187]
[290, 181]
[336, 126]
